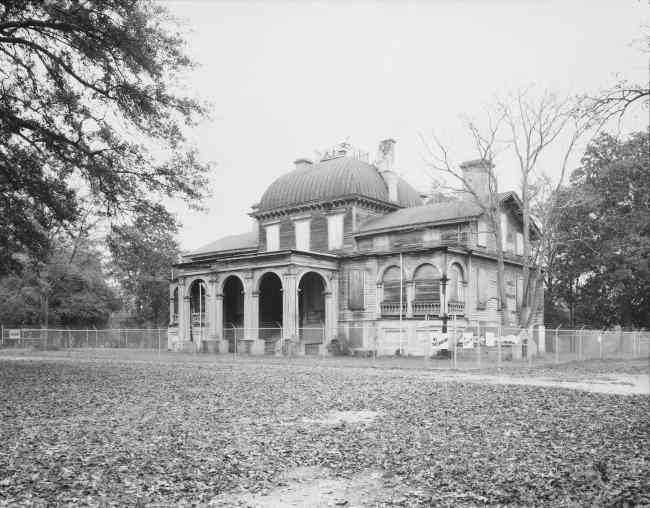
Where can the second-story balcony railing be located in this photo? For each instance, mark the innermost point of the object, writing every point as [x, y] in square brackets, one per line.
[456, 308]
[392, 308]
[426, 308]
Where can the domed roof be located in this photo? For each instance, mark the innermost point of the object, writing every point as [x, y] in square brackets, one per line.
[332, 179]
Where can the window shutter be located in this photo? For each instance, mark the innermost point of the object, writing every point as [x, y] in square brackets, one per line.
[355, 289]
[302, 234]
[335, 232]
[482, 233]
[519, 247]
[504, 230]
[520, 293]
[273, 237]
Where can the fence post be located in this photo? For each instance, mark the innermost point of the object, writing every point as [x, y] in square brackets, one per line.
[2, 334]
[600, 344]
[529, 346]
[580, 343]
[499, 336]
[96, 338]
[557, 344]
[158, 341]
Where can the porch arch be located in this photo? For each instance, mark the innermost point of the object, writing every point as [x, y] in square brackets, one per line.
[312, 307]
[270, 301]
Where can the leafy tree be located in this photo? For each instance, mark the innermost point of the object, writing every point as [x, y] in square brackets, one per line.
[87, 97]
[68, 289]
[602, 270]
[143, 253]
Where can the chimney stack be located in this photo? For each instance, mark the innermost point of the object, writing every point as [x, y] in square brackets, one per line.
[385, 163]
[477, 175]
[302, 163]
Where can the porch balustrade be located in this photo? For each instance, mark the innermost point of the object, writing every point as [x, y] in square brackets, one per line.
[392, 308]
[426, 308]
[456, 308]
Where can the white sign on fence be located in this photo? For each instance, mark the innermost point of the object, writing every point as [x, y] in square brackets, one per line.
[14, 334]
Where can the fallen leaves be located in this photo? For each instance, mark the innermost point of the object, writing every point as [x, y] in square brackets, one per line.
[186, 433]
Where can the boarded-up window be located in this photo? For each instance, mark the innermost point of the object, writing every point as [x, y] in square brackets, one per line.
[355, 289]
[427, 284]
[392, 284]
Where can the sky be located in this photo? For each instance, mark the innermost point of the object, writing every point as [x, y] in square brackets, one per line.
[288, 78]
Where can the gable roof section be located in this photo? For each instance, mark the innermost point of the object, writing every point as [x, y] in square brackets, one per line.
[436, 212]
[244, 241]
[448, 211]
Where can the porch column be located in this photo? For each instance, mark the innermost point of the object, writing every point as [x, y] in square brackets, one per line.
[212, 307]
[255, 315]
[218, 323]
[250, 310]
[443, 296]
[182, 331]
[289, 304]
[379, 297]
[187, 318]
[172, 288]
[410, 295]
[332, 308]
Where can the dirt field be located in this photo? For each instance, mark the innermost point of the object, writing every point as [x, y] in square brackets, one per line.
[176, 430]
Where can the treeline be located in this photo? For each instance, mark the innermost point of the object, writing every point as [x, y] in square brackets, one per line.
[598, 272]
[92, 141]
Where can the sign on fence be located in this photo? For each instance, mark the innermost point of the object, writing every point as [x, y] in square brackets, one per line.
[14, 334]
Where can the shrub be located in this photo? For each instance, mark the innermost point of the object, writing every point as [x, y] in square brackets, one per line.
[339, 346]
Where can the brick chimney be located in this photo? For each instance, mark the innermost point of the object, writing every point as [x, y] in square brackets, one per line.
[385, 162]
[302, 163]
[477, 175]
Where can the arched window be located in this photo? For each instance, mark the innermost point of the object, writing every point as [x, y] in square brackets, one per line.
[392, 283]
[427, 284]
[456, 286]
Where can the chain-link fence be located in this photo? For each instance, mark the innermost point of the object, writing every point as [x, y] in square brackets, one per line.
[48, 339]
[460, 347]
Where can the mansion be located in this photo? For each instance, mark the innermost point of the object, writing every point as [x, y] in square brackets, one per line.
[345, 248]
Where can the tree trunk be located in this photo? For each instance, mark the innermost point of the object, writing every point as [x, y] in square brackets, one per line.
[501, 286]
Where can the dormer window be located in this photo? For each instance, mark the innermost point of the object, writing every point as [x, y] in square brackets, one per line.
[335, 232]
[302, 234]
[273, 237]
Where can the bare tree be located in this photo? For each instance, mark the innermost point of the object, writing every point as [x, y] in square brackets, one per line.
[528, 126]
[534, 124]
[485, 145]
